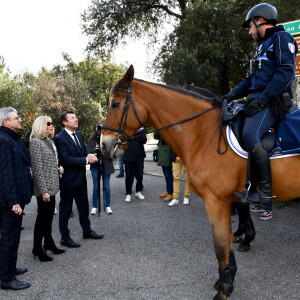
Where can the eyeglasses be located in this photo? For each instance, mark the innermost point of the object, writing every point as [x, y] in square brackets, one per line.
[50, 123]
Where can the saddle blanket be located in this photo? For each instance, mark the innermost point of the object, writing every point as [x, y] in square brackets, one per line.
[287, 141]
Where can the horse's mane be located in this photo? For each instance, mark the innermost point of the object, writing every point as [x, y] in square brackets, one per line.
[199, 90]
[196, 92]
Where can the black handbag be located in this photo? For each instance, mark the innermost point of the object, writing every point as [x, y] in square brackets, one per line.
[155, 155]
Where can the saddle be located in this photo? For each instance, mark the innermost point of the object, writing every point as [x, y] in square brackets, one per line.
[277, 140]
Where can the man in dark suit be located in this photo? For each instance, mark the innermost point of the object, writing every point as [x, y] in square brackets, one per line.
[15, 193]
[74, 157]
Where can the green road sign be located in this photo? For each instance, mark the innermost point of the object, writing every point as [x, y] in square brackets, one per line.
[292, 28]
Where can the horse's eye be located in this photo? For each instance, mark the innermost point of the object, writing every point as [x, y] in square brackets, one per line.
[115, 105]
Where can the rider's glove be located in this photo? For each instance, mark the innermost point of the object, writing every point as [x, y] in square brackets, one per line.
[254, 107]
[227, 97]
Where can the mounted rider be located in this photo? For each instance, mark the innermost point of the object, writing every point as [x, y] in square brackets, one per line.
[268, 87]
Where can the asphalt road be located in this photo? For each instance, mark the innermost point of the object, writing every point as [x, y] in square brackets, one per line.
[152, 251]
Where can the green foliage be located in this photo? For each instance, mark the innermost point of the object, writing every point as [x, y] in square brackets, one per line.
[288, 10]
[98, 72]
[83, 87]
[106, 22]
[208, 47]
[14, 93]
[54, 94]
[215, 41]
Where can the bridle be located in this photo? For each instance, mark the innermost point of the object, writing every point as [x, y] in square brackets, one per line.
[122, 127]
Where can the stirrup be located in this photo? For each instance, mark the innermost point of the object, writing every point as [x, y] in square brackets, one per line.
[253, 197]
[244, 197]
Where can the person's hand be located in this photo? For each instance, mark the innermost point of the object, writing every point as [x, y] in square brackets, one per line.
[92, 158]
[228, 97]
[278, 108]
[17, 209]
[254, 107]
[61, 170]
[46, 197]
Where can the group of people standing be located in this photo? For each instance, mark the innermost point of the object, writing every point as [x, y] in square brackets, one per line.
[51, 167]
[61, 165]
[133, 159]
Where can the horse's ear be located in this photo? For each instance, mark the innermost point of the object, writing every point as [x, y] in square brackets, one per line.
[128, 77]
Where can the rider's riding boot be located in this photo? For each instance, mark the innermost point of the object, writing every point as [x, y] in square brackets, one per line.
[261, 163]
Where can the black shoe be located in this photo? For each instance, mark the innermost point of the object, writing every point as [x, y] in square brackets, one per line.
[20, 271]
[93, 235]
[52, 247]
[41, 254]
[14, 285]
[69, 243]
[120, 175]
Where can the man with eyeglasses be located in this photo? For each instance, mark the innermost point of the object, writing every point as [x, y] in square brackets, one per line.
[15, 193]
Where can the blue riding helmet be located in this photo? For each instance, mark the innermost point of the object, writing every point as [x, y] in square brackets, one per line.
[264, 10]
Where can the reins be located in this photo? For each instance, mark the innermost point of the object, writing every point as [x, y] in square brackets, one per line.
[122, 127]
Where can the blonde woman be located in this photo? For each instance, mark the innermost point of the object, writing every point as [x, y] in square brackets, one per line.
[45, 170]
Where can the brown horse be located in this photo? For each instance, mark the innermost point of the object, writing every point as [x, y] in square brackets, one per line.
[213, 177]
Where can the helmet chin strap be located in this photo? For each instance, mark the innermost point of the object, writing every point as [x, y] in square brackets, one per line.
[257, 26]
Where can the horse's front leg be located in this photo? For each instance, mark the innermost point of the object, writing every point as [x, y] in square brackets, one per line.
[220, 219]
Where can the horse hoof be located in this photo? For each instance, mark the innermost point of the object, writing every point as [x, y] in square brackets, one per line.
[220, 296]
[237, 239]
[243, 248]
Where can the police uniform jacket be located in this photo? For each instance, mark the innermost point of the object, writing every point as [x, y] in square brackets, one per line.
[275, 67]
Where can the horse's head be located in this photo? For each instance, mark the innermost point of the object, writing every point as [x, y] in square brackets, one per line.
[125, 116]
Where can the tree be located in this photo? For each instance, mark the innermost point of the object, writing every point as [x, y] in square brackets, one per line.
[107, 22]
[52, 95]
[208, 47]
[83, 87]
[99, 73]
[14, 93]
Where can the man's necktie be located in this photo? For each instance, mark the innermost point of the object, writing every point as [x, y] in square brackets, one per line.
[76, 139]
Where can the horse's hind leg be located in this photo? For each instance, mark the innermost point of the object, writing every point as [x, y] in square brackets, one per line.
[238, 235]
[245, 227]
[220, 220]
